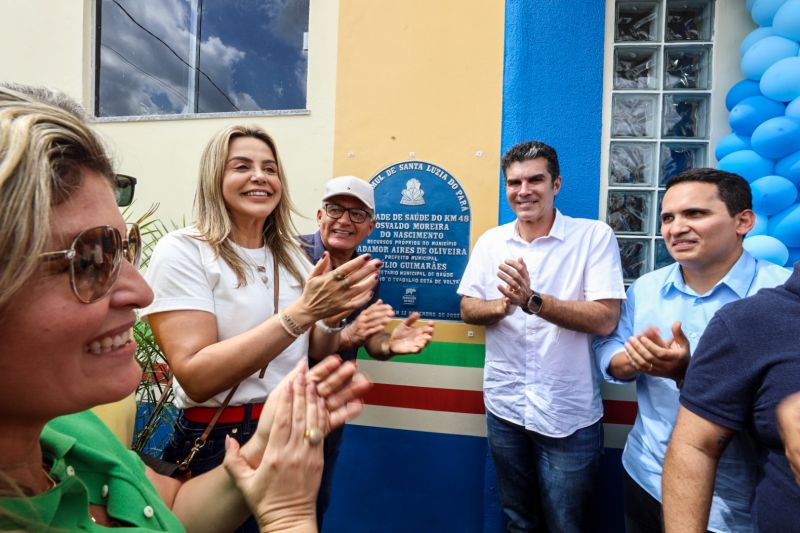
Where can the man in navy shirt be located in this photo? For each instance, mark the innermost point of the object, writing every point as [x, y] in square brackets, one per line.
[345, 219]
[748, 360]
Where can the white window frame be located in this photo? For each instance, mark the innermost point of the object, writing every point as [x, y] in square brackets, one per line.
[179, 116]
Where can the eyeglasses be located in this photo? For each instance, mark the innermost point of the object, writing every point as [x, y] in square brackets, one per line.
[124, 188]
[357, 216]
[94, 258]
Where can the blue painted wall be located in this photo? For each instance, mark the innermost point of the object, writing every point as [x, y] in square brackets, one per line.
[390, 480]
[553, 90]
[395, 481]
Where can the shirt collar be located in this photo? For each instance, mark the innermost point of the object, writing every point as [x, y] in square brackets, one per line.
[319, 248]
[738, 279]
[557, 230]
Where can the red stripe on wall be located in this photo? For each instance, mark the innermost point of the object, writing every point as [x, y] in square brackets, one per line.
[468, 401]
[428, 398]
[619, 412]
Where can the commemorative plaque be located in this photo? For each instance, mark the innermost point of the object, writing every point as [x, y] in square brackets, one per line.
[422, 236]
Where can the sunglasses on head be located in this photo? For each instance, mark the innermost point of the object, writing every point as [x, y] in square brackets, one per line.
[94, 258]
[124, 186]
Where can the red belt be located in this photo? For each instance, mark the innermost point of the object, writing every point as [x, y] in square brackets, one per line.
[230, 415]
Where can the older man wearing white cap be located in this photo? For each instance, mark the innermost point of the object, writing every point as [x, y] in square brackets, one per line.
[346, 218]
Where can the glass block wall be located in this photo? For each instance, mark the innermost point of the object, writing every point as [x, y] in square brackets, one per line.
[660, 108]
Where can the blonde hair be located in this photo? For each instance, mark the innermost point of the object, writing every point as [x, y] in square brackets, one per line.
[213, 219]
[45, 142]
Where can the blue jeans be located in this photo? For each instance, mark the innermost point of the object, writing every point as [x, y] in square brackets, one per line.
[213, 452]
[546, 483]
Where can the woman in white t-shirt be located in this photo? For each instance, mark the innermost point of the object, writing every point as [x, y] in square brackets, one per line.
[214, 283]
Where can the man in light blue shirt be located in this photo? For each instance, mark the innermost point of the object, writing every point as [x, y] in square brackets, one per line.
[705, 215]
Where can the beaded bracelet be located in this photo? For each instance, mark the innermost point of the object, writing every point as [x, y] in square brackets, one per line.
[286, 328]
[291, 327]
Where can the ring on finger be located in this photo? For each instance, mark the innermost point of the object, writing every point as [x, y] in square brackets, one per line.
[651, 367]
[338, 276]
[313, 436]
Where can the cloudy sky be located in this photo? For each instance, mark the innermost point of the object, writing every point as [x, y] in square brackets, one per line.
[250, 56]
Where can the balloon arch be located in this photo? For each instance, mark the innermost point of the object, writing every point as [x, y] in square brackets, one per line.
[764, 146]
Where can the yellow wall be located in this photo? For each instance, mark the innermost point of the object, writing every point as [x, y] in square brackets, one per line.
[424, 80]
[50, 42]
[423, 77]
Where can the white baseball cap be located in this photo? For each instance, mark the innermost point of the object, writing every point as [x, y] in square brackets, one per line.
[351, 186]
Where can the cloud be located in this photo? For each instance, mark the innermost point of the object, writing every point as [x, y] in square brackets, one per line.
[146, 57]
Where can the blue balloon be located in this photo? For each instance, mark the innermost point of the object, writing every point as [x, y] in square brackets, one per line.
[747, 163]
[781, 81]
[789, 168]
[785, 226]
[749, 4]
[765, 53]
[787, 20]
[763, 11]
[760, 226]
[731, 143]
[793, 109]
[767, 248]
[748, 114]
[772, 194]
[753, 37]
[741, 90]
[776, 137]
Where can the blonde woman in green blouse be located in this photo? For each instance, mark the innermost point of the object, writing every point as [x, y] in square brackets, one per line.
[69, 289]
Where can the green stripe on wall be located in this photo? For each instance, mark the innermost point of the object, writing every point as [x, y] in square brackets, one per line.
[441, 353]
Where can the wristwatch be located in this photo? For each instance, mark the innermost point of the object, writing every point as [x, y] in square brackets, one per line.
[534, 304]
[325, 328]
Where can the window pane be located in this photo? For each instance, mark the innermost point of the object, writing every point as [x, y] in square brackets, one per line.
[662, 255]
[632, 163]
[637, 21]
[658, 212]
[633, 253]
[685, 116]
[629, 212]
[677, 157]
[687, 67]
[249, 56]
[635, 67]
[633, 115]
[144, 47]
[252, 57]
[688, 20]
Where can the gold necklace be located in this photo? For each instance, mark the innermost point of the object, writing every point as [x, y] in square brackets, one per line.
[50, 480]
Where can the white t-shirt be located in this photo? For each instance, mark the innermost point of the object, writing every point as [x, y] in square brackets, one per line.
[185, 274]
[536, 374]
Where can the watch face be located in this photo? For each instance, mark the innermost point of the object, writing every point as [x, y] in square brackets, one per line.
[535, 303]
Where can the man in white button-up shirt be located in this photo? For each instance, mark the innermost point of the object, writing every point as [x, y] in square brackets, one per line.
[543, 285]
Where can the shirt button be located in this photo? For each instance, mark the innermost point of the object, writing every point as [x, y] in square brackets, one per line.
[148, 511]
[70, 471]
[105, 491]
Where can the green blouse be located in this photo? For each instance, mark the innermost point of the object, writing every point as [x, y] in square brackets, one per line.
[91, 466]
